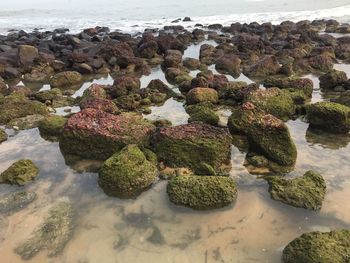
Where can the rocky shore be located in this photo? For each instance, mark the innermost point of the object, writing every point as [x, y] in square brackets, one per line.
[195, 157]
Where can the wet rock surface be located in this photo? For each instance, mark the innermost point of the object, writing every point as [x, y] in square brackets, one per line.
[20, 173]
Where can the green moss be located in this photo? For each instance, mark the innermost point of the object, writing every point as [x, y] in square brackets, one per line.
[27, 122]
[307, 191]
[20, 173]
[200, 95]
[48, 95]
[3, 136]
[329, 116]
[332, 79]
[274, 101]
[303, 85]
[202, 113]
[53, 234]
[202, 192]
[52, 126]
[17, 106]
[318, 247]
[127, 173]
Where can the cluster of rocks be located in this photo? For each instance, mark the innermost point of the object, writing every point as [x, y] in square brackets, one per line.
[195, 157]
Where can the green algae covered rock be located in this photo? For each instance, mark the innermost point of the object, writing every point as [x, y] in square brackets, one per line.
[332, 79]
[318, 247]
[3, 136]
[202, 113]
[307, 191]
[52, 235]
[20, 173]
[199, 95]
[66, 78]
[202, 192]
[194, 146]
[13, 202]
[329, 116]
[95, 134]
[291, 83]
[274, 101]
[266, 133]
[52, 126]
[127, 173]
[17, 106]
[27, 122]
[343, 99]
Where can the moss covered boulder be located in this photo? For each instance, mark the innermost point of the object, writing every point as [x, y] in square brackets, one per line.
[199, 95]
[27, 122]
[19, 173]
[98, 135]
[195, 146]
[17, 106]
[344, 98]
[52, 126]
[329, 116]
[202, 113]
[52, 235]
[127, 173]
[292, 83]
[3, 136]
[125, 85]
[333, 79]
[66, 78]
[274, 101]
[318, 247]
[202, 192]
[13, 202]
[307, 191]
[266, 133]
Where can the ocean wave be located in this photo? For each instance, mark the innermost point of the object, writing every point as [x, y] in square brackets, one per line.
[49, 20]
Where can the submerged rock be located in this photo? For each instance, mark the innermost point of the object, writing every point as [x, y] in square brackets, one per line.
[20, 173]
[96, 134]
[329, 116]
[307, 191]
[17, 106]
[333, 79]
[127, 173]
[274, 101]
[66, 78]
[52, 235]
[195, 146]
[16, 201]
[202, 192]
[266, 133]
[3, 136]
[318, 247]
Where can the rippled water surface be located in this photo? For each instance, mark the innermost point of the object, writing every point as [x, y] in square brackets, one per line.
[150, 228]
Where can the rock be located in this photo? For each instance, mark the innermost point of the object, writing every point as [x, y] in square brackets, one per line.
[329, 116]
[307, 191]
[343, 99]
[229, 64]
[96, 134]
[191, 63]
[194, 146]
[48, 95]
[27, 54]
[202, 192]
[95, 91]
[319, 247]
[66, 78]
[3, 136]
[172, 58]
[322, 62]
[177, 75]
[17, 106]
[237, 91]
[127, 173]
[202, 113]
[265, 133]
[84, 68]
[16, 201]
[148, 49]
[333, 79]
[198, 95]
[158, 85]
[3, 86]
[274, 101]
[53, 234]
[27, 122]
[292, 83]
[99, 104]
[169, 41]
[266, 66]
[125, 85]
[52, 126]
[20, 173]
[187, 19]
